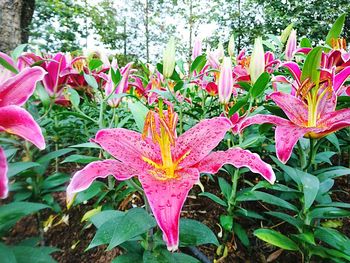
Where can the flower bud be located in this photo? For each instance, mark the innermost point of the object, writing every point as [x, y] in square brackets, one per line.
[225, 86]
[285, 33]
[257, 60]
[291, 45]
[231, 46]
[197, 48]
[169, 58]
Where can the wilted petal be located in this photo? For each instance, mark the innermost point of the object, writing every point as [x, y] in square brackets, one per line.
[340, 78]
[200, 140]
[294, 108]
[286, 137]
[166, 199]
[17, 89]
[3, 175]
[18, 121]
[238, 158]
[128, 146]
[82, 179]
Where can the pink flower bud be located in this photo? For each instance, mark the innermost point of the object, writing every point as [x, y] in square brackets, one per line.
[225, 86]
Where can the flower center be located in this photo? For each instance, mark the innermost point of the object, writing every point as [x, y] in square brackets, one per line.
[162, 129]
[312, 94]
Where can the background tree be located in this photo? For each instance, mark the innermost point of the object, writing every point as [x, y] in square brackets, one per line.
[15, 17]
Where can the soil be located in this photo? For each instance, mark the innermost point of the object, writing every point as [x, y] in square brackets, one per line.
[74, 238]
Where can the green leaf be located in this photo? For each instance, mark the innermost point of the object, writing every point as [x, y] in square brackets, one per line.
[312, 65]
[332, 172]
[214, 198]
[334, 140]
[43, 95]
[275, 238]
[291, 172]
[94, 189]
[135, 222]
[336, 29]
[16, 168]
[86, 145]
[6, 254]
[94, 64]
[77, 158]
[311, 185]
[225, 187]
[327, 212]
[102, 217]
[128, 258]
[139, 111]
[164, 256]
[333, 238]
[305, 42]
[239, 104]
[244, 85]
[307, 237]
[116, 76]
[73, 97]
[198, 63]
[324, 157]
[179, 85]
[260, 85]
[26, 254]
[194, 233]
[91, 81]
[17, 52]
[267, 198]
[55, 180]
[226, 221]
[8, 66]
[11, 213]
[287, 218]
[241, 233]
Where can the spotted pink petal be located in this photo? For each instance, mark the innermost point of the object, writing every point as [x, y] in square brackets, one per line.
[334, 121]
[82, 179]
[260, 119]
[200, 140]
[3, 175]
[294, 108]
[238, 158]
[294, 70]
[340, 78]
[128, 146]
[286, 137]
[166, 199]
[17, 89]
[18, 121]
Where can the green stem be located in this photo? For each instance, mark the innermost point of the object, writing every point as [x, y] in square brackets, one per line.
[301, 155]
[100, 119]
[232, 201]
[311, 155]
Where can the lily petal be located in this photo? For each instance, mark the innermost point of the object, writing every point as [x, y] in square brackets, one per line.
[3, 175]
[340, 78]
[18, 121]
[17, 89]
[293, 69]
[128, 146]
[238, 158]
[286, 137]
[196, 143]
[166, 199]
[334, 121]
[294, 108]
[260, 119]
[82, 179]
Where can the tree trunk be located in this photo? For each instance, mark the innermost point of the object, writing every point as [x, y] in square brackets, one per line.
[15, 17]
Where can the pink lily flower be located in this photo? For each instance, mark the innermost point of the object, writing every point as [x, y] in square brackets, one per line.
[121, 88]
[166, 165]
[310, 109]
[15, 90]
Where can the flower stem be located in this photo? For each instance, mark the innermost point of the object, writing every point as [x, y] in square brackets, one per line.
[232, 201]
